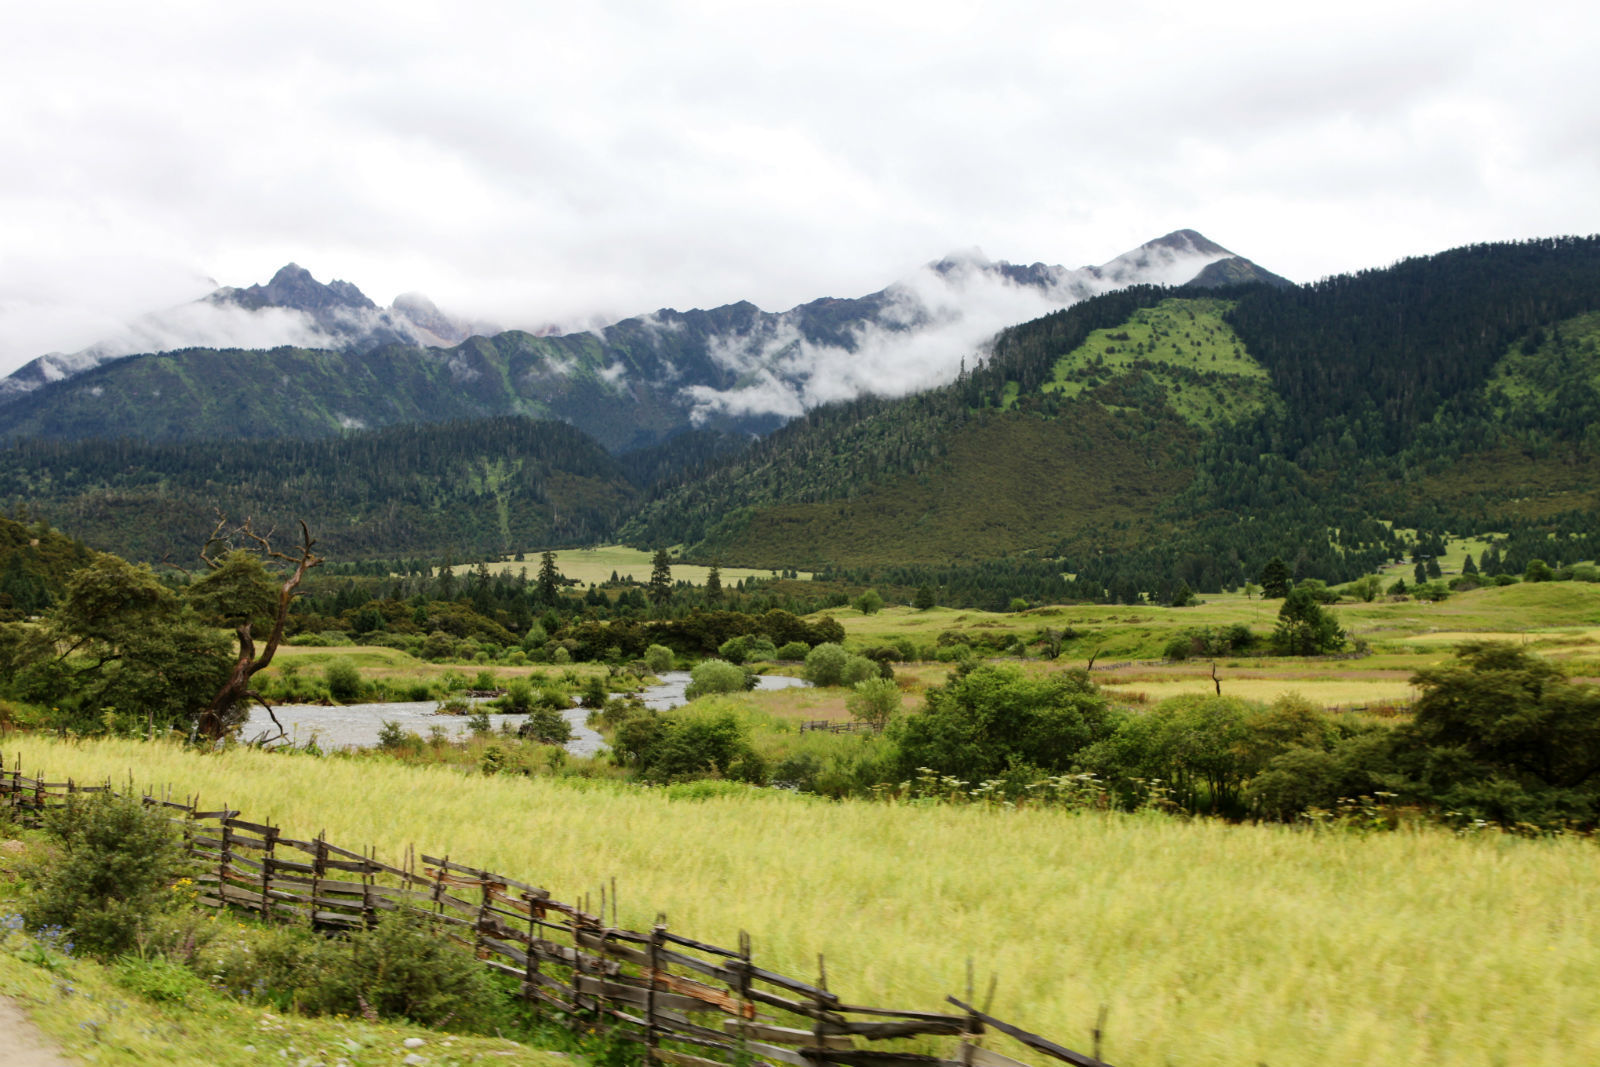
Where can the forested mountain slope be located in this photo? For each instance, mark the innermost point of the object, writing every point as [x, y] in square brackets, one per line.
[1145, 439]
[35, 561]
[465, 490]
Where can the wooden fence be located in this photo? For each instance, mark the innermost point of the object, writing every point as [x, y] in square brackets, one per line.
[841, 726]
[689, 1003]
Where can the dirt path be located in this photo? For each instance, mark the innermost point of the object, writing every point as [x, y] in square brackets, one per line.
[21, 1043]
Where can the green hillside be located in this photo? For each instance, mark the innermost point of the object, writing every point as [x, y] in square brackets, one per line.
[468, 490]
[1182, 347]
[35, 561]
[1147, 436]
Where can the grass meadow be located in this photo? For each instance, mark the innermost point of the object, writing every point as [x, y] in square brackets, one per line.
[595, 565]
[1208, 944]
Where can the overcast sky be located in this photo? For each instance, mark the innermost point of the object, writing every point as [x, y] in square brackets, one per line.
[533, 163]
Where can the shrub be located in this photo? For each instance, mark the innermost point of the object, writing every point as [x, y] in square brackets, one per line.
[793, 650]
[874, 701]
[659, 658]
[987, 719]
[518, 697]
[391, 735]
[869, 603]
[858, 669]
[117, 860]
[686, 746]
[715, 676]
[344, 681]
[546, 725]
[825, 664]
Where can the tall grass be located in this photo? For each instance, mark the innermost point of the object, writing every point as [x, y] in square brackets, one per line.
[1209, 944]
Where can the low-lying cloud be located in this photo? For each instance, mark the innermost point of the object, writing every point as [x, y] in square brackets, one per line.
[943, 317]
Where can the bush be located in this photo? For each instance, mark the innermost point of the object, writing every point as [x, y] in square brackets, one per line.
[793, 651]
[518, 698]
[344, 681]
[858, 669]
[546, 725]
[403, 968]
[869, 603]
[117, 860]
[988, 719]
[659, 658]
[825, 665]
[686, 746]
[874, 701]
[715, 676]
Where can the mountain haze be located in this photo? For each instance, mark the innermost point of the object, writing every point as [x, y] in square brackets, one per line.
[348, 364]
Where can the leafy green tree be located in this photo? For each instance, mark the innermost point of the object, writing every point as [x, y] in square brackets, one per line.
[661, 577]
[546, 724]
[874, 701]
[659, 658]
[869, 603]
[993, 718]
[1538, 571]
[119, 640]
[1503, 734]
[715, 676]
[1275, 578]
[683, 746]
[1196, 744]
[831, 664]
[1366, 587]
[1305, 628]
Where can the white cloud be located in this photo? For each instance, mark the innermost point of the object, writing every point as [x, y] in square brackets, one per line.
[537, 164]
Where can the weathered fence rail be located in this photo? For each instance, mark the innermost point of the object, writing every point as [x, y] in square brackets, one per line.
[841, 726]
[690, 1003]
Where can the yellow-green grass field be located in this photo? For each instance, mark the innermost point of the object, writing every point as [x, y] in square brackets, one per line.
[1325, 693]
[1207, 943]
[596, 565]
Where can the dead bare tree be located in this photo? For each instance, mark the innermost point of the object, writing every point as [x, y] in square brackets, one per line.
[221, 715]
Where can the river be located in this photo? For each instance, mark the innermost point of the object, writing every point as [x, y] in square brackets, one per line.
[357, 725]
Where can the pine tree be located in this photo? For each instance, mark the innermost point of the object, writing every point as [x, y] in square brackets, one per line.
[1467, 566]
[714, 583]
[1275, 578]
[549, 578]
[661, 577]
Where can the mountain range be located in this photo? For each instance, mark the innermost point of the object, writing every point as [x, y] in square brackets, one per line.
[326, 359]
[1136, 439]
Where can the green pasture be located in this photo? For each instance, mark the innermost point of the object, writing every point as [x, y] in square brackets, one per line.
[591, 566]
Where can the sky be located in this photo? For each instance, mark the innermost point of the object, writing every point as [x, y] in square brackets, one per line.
[534, 164]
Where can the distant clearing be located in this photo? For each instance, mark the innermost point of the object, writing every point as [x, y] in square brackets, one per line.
[596, 565]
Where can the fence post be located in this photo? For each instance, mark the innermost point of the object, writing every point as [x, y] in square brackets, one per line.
[744, 991]
[652, 1039]
[319, 871]
[225, 855]
[530, 977]
[271, 840]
